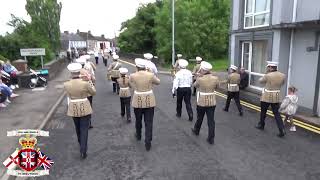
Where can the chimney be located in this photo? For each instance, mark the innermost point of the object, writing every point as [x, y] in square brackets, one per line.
[66, 32]
[102, 36]
[89, 32]
[78, 31]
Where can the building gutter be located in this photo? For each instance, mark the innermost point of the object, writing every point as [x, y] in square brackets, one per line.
[317, 85]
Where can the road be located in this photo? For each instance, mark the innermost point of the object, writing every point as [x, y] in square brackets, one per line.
[240, 151]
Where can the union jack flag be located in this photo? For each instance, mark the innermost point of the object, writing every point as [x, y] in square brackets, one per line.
[44, 161]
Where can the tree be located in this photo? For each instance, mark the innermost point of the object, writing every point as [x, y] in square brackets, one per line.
[45, 17]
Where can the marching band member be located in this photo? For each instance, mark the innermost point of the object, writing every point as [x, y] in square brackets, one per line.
[150, 66]
[176, 65]
[195, 73]
[273, 81]
[206, 100]
[143, 100]
[182, 84]
[114, 70]
[233, 83]
[79, 107]
[124, 93]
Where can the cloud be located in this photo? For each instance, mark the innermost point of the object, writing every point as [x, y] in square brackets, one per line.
[99, 16]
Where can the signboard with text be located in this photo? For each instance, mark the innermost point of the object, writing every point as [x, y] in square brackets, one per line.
[33, 52]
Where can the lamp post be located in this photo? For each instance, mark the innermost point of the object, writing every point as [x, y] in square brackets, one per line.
[173, 50]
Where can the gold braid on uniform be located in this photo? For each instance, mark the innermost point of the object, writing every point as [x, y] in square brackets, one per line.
[148, 103]
[75, 110]
[139, 102]
[82, 111]
[206, 100]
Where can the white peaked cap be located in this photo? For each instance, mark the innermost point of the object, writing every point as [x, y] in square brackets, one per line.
[271, 63]
[198, 58]
[205, 66]
[234, 67]
[183, 63]
[87, 56]
[123, 70]
[81, 60]
[74, 67]
[179, 55]
[115, 57]
[140, 62]
[114, 53]
[148, 56]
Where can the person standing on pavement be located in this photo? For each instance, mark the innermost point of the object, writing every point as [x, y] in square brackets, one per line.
[150, 66]
[206, 100]
[96, 56]
[114, 73]
[233, 82]
[105, 57]
[182, 84]
[79, 107]
[289, 106]
[143, 100]
[195, 73]
[124, 93]
[244, 79]
[273, 81]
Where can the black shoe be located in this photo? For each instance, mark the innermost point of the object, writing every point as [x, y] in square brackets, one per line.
[190, 118]
[240, 113]
[122, 115]
[224, 109]
[210, 141]
[83, 155]
[90, 127]
[195, 132]
[178, 115]
[138, 137]
[281, 134]
[260, 127]
[148, 146]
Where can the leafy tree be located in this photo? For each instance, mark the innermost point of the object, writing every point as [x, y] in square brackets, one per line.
[45, 16]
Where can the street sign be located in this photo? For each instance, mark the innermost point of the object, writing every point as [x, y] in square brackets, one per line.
[33, 52]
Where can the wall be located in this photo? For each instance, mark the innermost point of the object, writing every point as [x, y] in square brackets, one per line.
[304, 66]
[308, 10]
[235, 14]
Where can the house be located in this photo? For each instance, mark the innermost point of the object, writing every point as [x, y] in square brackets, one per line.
[286, 31]
[71, 40]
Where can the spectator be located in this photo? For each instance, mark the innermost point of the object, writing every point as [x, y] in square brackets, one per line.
[5, 94]
[8, 68]
[244, 79]
[289, 106]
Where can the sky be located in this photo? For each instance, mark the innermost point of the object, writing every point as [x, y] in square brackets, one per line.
[98, 16]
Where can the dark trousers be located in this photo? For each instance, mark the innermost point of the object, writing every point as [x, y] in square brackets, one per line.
[201, 111]
[184, 94]
[90, 100]
[275, 110]
[97, 60]
[115, 85]
[3, 96]
[194, 89]
[81, 124]
[147, 113]
[125, 106]
[235, 96]
[105, 61]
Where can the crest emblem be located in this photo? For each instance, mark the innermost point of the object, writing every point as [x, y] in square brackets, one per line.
[31, 161]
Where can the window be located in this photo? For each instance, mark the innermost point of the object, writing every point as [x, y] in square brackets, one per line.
[257, 13]
[254, 57]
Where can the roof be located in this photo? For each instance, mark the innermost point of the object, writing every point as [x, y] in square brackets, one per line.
[86, 35]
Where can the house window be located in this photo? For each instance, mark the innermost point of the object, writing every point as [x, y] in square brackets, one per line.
[257, 13]
[254, 57]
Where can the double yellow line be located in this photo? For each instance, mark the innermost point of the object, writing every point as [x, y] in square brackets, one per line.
[257, 108]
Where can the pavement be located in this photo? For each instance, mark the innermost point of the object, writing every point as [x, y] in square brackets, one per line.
[240, 152]
[27, 111]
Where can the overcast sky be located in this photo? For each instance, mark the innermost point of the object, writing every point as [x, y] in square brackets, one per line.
[99, 16]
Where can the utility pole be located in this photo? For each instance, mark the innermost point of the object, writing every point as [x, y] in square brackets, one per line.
[173, 50]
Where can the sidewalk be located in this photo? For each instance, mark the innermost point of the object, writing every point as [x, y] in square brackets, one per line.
[27, 112]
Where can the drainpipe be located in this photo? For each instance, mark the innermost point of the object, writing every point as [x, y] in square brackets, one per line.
[294, 18]
[316, 94]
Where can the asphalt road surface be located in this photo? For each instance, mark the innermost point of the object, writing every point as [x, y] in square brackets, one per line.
[240, 151]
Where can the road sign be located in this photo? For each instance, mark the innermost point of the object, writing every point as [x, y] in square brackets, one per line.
[33, 52]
